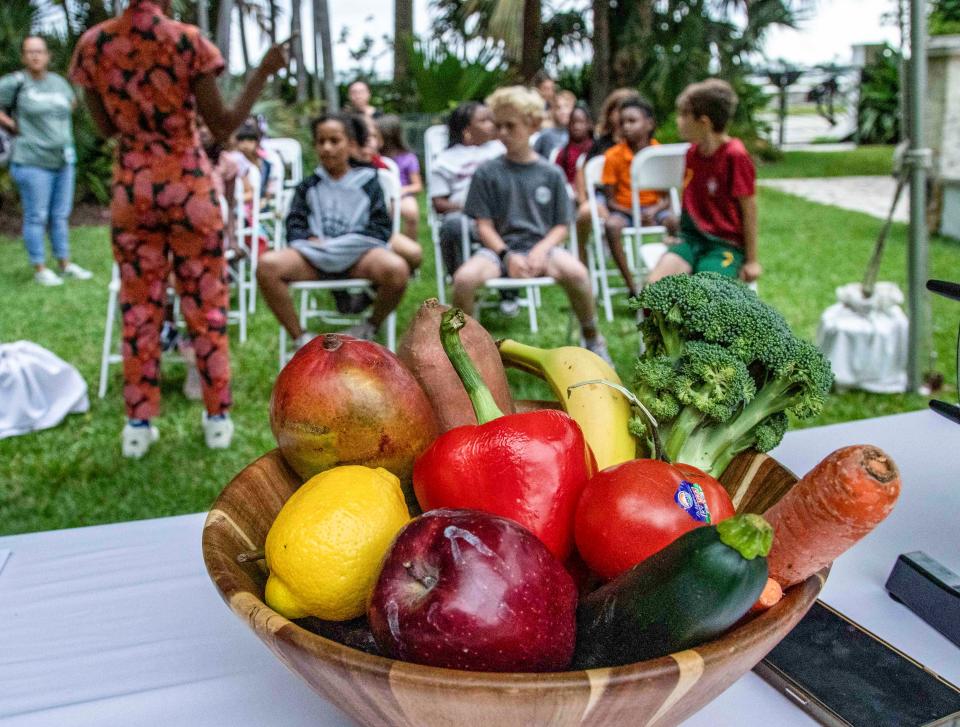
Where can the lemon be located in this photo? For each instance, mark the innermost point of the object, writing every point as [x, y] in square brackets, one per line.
[324, 549]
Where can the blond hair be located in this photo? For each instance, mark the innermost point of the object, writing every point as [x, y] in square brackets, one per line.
[519, 98]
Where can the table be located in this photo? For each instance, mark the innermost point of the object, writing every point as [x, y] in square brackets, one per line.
[120, 625]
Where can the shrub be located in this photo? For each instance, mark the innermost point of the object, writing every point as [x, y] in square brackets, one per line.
[878, 110]
[945, 17]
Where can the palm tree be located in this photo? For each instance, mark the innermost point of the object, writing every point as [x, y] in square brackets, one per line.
[203, 17]
[321, 22]
[224, 18]
[600, 66]
[402, 37]
[518, 27]
[531, 50]
[297, 50]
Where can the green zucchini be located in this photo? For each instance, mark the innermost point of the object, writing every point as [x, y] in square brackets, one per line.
[688, 593]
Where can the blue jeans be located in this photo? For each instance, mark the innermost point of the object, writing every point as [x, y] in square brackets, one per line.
[47, 199]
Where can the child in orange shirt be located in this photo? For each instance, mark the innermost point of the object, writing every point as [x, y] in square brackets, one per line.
[637, 124]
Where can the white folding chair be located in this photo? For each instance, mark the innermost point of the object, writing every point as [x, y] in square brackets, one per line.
[600, 270]
[659, 168]
[236, 275]
[291, 153]
[392, 191]
[272, 218]
[434, 141]
[390, 183]
[248, 232]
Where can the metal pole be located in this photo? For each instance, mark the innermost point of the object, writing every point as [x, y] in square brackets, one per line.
[918, 159]
[782, 113]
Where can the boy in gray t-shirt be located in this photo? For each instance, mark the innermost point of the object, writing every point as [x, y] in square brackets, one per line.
[525, 200]
[522, 210]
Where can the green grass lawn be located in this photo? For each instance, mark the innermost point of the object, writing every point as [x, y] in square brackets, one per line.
[74, 475]
[864, 160]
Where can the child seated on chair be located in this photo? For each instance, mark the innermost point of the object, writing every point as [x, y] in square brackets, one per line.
[395, 146]
[471, 142]
[718, 225]
[557, 135]
[522, 209]
[579, 141]
[370, 152]
[637, 124]
[338, 227]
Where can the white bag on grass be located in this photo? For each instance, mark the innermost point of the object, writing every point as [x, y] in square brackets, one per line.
[866, 339]
[37, 389]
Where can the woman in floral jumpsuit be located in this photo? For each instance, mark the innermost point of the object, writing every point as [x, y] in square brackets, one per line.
[146, 78]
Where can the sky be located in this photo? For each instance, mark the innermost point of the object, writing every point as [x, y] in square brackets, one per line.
[827, 34]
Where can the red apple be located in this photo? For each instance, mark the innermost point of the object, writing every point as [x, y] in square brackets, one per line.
[341, 400]
[463, 589]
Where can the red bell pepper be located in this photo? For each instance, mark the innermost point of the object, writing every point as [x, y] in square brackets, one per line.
[528, 467]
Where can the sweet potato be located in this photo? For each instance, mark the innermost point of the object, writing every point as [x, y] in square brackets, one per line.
[421, 351]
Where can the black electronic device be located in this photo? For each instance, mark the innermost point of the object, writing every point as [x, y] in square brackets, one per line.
[930, 590]
[844, 676]
[949, 410]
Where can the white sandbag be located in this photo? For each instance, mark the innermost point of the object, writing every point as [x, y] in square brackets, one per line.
[37, 389]
[866, 339]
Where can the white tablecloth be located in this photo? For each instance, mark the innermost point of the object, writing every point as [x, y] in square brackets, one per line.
[120, 625]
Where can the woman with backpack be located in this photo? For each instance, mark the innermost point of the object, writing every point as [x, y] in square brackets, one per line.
[36, 107]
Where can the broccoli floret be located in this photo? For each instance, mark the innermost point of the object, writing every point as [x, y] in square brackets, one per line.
[711, 379]
[721, 370]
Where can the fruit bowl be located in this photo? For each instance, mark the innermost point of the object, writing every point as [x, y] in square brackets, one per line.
[378, 691]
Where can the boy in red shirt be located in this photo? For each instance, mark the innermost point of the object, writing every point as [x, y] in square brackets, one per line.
[718, 227]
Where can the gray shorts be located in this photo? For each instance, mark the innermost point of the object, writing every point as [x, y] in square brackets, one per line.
[338, 255]
[488, 254]
[659, 218]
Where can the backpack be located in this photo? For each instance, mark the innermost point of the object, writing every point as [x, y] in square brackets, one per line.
[6, 135]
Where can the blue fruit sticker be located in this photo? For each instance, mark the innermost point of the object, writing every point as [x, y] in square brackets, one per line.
[690, 497]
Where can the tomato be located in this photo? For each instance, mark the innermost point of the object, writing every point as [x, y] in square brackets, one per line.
[631, 510]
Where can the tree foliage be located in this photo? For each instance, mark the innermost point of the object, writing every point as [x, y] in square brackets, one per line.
[661, 47]
[499, 24]
[945, 17]
[878, 110]
[443, 78]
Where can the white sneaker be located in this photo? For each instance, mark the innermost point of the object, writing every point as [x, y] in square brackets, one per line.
[365, 331]
[218, 433]
[598, 345]
[509, 307]
[75, 271]
[135, 441]
[47, 277]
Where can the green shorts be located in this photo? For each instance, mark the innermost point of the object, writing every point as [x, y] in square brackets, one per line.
[707, 253]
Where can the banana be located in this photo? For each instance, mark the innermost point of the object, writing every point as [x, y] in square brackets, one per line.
[602, 413]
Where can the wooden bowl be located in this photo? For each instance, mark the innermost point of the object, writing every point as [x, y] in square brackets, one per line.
[377, 691]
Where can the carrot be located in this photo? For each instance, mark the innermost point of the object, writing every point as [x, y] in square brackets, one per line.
[421, 351]
[770, 596]
[832, 507]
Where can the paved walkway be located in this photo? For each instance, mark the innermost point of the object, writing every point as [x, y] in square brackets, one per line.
[871, 195]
